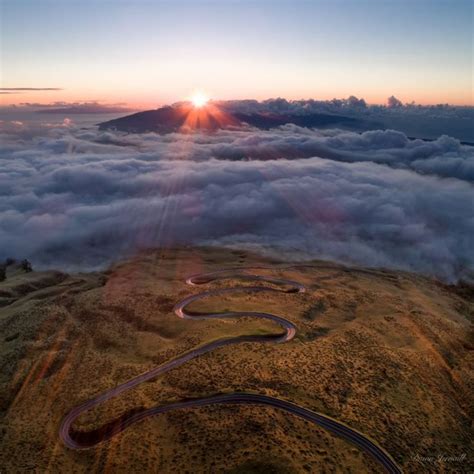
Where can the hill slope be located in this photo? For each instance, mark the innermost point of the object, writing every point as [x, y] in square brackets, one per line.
[389, 353]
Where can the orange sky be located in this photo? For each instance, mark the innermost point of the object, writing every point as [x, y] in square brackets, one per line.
[152, 53]
[150, 100]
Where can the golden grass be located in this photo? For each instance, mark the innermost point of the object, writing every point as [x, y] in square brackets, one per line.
[388, 353]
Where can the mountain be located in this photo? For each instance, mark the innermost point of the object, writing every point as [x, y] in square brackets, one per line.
[267, 121]
[211, 117]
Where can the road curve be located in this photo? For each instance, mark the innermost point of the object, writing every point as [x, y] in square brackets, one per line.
[79, 440]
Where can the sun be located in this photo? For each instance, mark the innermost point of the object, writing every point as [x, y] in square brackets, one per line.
[199, 100]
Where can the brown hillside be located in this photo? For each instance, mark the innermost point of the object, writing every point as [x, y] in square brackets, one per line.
[389, 353]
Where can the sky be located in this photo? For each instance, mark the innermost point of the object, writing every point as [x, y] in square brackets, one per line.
[148, 53]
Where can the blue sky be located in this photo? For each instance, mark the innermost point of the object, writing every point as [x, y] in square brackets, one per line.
[154, 52]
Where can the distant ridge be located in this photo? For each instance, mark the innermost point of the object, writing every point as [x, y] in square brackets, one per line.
[210, 118]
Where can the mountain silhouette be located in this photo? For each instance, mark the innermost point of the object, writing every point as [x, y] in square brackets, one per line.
[186, 117]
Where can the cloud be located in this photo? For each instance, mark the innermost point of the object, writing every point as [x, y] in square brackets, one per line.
[352, 104]
[444, 156]
[393, 102]
[81, 198]
[19, 89]
[82, 108]
[415, 120]
[70, 108]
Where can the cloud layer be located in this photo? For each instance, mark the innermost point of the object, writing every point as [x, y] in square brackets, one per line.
[20, 89]
[81, 198]
[429, 121]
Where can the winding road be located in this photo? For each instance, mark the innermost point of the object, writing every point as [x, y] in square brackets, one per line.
[79, 440]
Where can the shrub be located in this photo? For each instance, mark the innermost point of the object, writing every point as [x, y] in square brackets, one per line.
[26, 266]
[3, 272]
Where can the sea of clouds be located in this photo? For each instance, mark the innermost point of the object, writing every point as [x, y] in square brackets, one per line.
[422, 121]
[76, 198]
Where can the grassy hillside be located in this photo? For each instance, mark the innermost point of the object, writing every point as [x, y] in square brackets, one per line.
[389, 353]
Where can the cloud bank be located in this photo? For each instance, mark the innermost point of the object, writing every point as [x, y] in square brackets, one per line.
[422, 121]
[20, 89]
[81, 198]
[72, 108]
